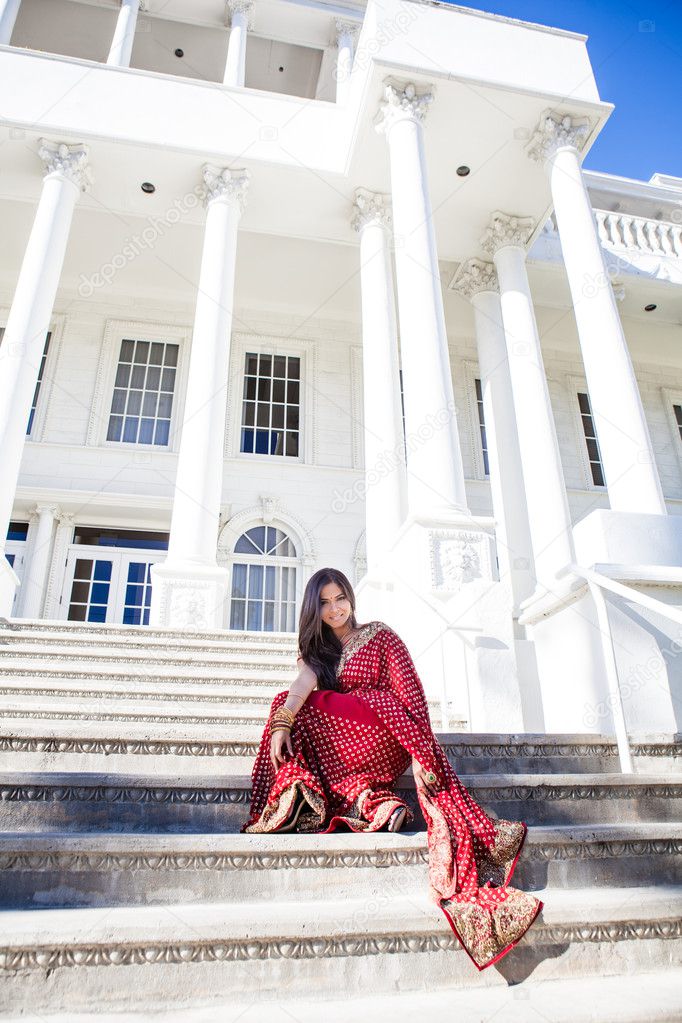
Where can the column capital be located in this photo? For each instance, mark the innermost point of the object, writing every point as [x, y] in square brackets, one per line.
[371, 208]
[475, 276]
[44, 508]
[557, 131]
[346, 27]
[233, 7]
[505, 230]
[67, 162]
[224, 184]
[401, 102]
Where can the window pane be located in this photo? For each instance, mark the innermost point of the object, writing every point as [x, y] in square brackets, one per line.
[142, 352]
[153, 378]
[146, 434]
[127, 349]
[149, 404]
[162, 431]
[122, 375]
[171, 358]
[115, 427]
[130, 431]
[168, 380]
[134, 403]
[137, 377]
[165, 405]
[156, 354]
[102, 570]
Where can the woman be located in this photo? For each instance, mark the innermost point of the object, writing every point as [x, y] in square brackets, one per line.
[337, 741]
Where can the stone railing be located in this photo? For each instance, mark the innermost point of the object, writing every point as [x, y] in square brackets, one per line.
[630, 233]
[623, 231]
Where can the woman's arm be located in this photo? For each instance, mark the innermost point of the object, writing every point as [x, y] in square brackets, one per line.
[299, 691]
[301, 687]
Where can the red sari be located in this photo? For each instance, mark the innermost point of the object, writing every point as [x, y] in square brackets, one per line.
[350, 748]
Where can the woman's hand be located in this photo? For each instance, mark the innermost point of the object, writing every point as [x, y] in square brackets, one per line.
[420, 778]
[280, 740]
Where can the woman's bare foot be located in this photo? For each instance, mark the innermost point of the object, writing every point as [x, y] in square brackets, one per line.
[397, 818]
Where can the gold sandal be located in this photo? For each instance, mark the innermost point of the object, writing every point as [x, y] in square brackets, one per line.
[290, 822]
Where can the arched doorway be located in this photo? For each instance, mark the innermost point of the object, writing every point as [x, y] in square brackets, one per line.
[263, 593]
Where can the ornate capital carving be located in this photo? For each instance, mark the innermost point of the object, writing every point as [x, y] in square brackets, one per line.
[371, 208]
[401, 102]
[43, 509]
[507, 230]
[475, 276]
[233, 7]
[224, 184]
[69, 162]
[344, 27]
[557, 131]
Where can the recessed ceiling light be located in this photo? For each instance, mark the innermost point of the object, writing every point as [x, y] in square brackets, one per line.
[463, 170]
[280, 69]
[147, 187]
[179, 52]
[650, 307]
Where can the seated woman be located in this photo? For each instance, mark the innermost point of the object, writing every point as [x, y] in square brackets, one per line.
[335, 745]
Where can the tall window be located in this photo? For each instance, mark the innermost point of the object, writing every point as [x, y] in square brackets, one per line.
[41, 372]
[263, 595]
[481, 425]
[593, 452]
[271, 404]
[143, 392]
[677, 409]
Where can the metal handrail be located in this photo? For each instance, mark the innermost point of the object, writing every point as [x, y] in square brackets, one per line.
[597, 583]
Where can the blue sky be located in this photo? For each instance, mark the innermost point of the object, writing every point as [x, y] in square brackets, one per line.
[635, 47]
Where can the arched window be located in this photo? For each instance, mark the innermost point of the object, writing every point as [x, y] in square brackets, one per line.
[263, 597]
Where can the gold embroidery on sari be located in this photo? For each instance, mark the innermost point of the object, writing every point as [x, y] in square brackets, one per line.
[496, 864]
[486, 933]
[366, 633]
[275, 814]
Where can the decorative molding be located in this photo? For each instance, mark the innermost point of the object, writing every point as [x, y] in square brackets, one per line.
[458, 557]
[371, 208]
[225, 185]
[233, 7]
[165, 952]
[68, 162]
[343, 26]
[178, 698]
[304, 541]
[170, 719]
[475, 276]
[505, 229]
[401, 102]
[557, 131]
[214, 861]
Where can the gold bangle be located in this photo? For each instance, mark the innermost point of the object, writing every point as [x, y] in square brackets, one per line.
[283, 714]
[280, 728]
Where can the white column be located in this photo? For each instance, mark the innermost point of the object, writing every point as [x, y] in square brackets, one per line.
[548, 512]
[477, 281]
[29, 318]
[346, 37]
[34, 582]
[627, 453]
[386, 484]
[435, 477]
[239, 14]
[8, 16]
[189, 587]
[124, 33]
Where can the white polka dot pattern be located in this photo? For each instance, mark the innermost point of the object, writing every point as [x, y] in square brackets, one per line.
[351, 747]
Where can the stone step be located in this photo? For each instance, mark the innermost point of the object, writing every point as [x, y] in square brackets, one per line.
[639, 998]
[18, 631]
[168, 713]
[257, 672]
[134, 802]
[31, 689]
[70, 869]
[164, 956]
[84, 745]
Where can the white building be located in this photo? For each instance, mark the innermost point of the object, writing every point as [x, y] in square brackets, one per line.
[253, 253]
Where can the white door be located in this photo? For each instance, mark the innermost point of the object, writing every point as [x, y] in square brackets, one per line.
[108, 585]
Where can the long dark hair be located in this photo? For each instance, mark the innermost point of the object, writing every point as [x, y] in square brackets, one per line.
[317, 644]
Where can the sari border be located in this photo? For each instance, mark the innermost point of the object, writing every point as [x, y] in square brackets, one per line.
[358, 641]
[505, 950]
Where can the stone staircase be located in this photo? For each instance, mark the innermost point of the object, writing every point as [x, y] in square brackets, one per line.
[125, 758]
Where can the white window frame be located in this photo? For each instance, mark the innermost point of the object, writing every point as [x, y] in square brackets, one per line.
[115, 332]
[670, 397]
[575, 384]
[56, 331]
[264, 344]
[471, 371]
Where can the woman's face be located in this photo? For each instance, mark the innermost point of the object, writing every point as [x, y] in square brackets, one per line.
[335, 606]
